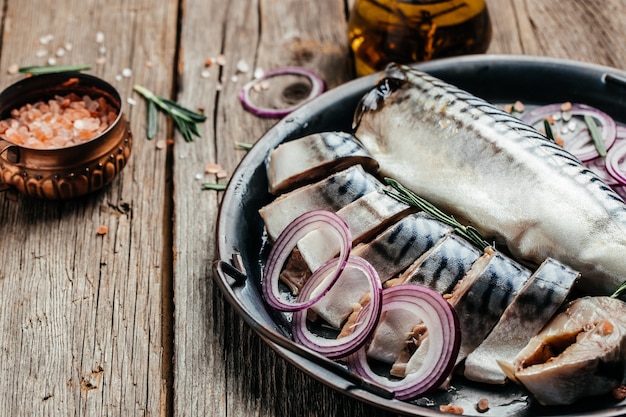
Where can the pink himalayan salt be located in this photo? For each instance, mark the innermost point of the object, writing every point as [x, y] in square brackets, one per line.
[60, 122]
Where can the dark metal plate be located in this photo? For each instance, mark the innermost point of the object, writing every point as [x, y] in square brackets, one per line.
[499, 79]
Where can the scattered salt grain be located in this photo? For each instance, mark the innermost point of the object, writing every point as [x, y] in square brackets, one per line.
[46, 39]
[102, 50]
[205, 73]
[258, 73]
[127, 73]
[118, 77]
[234, 78]
[131, 101]
[68, 46]
[60, 52]
[220, 60]
[242, 66]
[41, 53]
[52, 61]
[99, 37]
[13, 69]
[149, 64]
[101, 60]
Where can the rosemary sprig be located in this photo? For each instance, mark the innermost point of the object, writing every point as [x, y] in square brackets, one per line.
[406, 196]
[244, 145]
[595, 135]
[52, 69]
[548, 129]
[619, 291]
[213, 186]
[185, 120]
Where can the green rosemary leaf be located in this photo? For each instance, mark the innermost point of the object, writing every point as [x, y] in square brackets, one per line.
[595, 135]
[213, 186]
[153, 120]
[198, 117]
[620, 290]
[52, 69]
[548, 129]
[244, 145]
[185, 119]
[403, 194]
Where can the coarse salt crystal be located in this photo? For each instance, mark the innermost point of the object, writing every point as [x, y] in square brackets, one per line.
[205, 73]
[60, 52]
[41, 53]
[242, 66]
[234, 78]
[259, 73]
[52, 61]
[101, 60]
[13, 69]
[127, 72]
[99, 37]
[102, 50]
[131, 101]
[198, 176]
[118, 77]
[68, 46]
[46, 39]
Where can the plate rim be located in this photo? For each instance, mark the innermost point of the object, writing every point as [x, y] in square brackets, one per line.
[286, 126]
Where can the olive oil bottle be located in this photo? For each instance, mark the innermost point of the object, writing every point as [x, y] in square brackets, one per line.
[408, 31]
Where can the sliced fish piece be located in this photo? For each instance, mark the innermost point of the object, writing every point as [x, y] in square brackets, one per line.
[443, 266]
[401, 244]
[331, 194]
[365, 217]
[494, 172]
[579, 353]
[534, 305]
[312, 158]
[480, 298]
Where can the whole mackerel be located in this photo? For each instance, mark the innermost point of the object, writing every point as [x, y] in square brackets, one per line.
[493, 171]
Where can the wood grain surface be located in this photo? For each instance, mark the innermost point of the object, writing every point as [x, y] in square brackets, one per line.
[131, 322]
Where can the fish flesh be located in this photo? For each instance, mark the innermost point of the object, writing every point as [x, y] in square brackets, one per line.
[331, 193]
[494, 172]
[365, 217]
[310, 158]
[532, 308]
[579, 353]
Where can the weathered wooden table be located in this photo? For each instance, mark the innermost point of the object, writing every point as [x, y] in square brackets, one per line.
[131, 322]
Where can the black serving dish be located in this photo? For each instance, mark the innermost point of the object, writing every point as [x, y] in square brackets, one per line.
[499, 79]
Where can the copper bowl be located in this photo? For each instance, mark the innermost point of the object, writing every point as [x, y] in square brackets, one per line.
[72, 171]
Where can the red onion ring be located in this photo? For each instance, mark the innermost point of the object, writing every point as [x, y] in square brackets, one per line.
[317, 88]
[443, 334]
[586, 150]
[615, 162]
[367, 320]
[285, 243]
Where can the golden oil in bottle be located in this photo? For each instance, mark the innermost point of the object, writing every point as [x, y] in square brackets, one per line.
[407, 31]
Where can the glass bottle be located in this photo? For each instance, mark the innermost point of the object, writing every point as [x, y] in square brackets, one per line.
[408, 31]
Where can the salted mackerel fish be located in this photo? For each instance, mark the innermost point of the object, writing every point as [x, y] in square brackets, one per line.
[417, 249]
[491, 170]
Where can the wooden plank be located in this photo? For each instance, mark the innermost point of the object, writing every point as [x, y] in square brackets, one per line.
[80, 313]
[221, 367]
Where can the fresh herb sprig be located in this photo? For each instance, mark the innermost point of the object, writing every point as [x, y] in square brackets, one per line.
[596, 136]
[186, 120]
[406, 196]
[52, 69]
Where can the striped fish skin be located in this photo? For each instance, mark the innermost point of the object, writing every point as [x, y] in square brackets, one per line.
[481, 302]
[494, 172]
[534, 306]
[310, 158]
[392, 251]
[331, 193]
[443, 266]
[365, 217]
